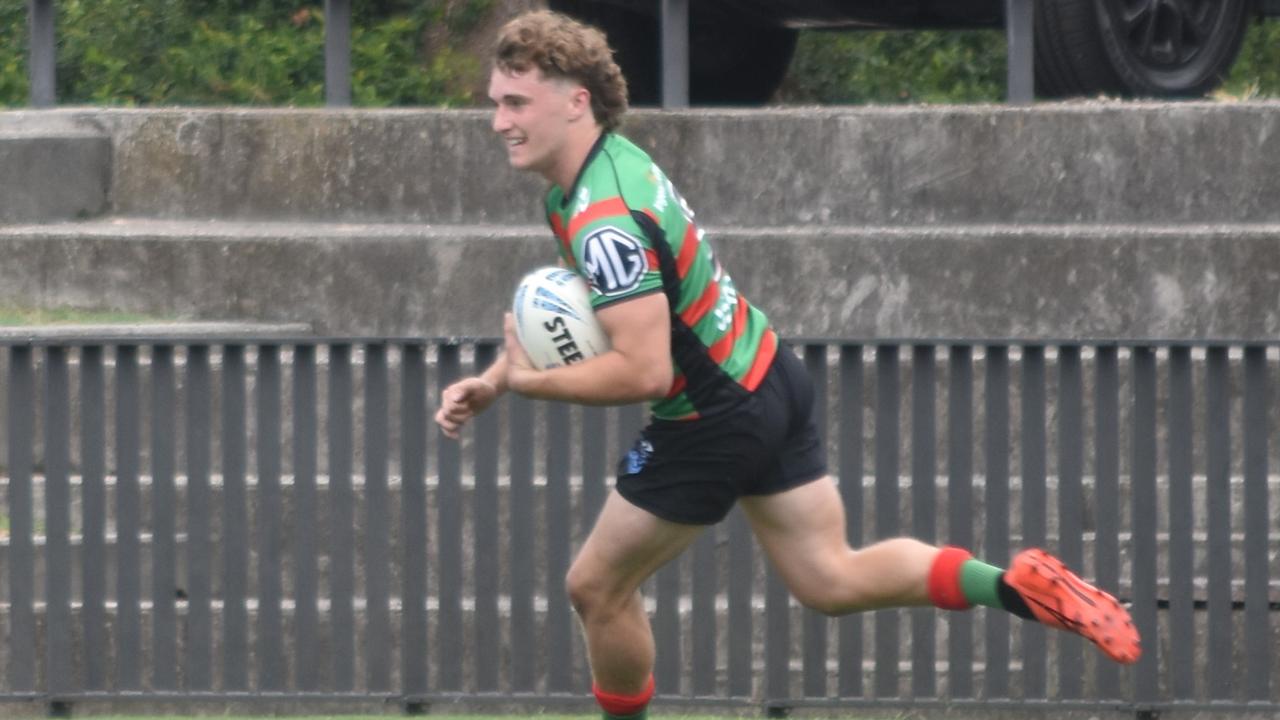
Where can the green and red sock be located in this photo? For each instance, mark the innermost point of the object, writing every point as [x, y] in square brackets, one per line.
[958, 582]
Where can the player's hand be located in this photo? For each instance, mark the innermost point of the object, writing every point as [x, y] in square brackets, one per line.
[521, 373]
[462, 401]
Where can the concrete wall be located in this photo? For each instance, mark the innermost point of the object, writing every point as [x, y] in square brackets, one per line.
[993, 282]
[56, 168]
[328, 218]
[1070, 163]
[1092, 219]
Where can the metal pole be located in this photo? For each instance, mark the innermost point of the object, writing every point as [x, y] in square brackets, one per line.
[1018, 28]
[43, 53]
[675, 53]
[337, 53]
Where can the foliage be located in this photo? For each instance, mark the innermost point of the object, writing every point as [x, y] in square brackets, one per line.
[14, 86]
[927, 66]
[246, 63]
[896, 67]
[380, 53]
[242, 52]
[1257, 69]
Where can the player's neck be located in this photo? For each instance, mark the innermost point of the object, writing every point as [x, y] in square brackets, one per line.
[574, 156]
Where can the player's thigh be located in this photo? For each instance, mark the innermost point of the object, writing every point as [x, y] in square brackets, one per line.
[803, 532]
[626, 546]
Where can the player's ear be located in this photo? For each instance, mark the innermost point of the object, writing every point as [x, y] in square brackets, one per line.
[579, 101]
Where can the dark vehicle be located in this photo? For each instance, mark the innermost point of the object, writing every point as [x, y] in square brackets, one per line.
[739, 49]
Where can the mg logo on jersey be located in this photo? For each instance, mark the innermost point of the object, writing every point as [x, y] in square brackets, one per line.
[615, 261]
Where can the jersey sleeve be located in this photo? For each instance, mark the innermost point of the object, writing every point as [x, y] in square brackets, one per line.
[613, 253]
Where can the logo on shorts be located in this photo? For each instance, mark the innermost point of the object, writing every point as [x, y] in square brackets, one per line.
[639, 456]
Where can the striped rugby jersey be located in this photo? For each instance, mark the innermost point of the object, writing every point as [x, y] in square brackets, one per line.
[626, 230]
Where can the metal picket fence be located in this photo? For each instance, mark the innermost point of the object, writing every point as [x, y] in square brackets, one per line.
[279, 519]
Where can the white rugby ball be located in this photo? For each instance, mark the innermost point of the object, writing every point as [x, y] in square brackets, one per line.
[554, 319]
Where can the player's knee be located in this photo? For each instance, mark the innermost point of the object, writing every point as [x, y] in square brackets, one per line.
[578, 588]
[593, 596]
[585, 590]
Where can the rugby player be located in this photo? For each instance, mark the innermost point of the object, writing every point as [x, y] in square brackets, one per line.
[732, 407]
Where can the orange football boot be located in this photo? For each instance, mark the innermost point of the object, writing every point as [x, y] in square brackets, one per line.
[1059, 598]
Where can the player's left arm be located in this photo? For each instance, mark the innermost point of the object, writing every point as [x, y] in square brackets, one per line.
[636, 368]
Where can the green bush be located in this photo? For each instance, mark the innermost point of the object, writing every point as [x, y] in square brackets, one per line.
[897, 67]
[926, 66]
[241, 52]
[1257, 70]
[14, 86]
[246, 62]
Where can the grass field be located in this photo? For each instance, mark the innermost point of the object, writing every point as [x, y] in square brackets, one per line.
[19, 316]
[656, 714]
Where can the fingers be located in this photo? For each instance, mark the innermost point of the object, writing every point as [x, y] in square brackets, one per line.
[448, 424]
[455, 409]
[462, 401]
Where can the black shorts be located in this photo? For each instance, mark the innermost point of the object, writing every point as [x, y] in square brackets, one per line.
[693, 471]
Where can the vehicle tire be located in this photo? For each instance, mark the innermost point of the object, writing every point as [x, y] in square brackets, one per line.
[1145, 48]
[732, 61]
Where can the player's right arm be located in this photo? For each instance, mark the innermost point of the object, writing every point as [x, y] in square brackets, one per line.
[469, 397]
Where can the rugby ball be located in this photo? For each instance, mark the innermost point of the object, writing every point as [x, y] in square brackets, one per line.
[554, 319]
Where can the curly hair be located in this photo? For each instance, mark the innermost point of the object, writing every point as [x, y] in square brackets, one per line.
[563, 48]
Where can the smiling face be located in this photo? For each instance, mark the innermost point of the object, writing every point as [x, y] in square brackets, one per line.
[539, 119]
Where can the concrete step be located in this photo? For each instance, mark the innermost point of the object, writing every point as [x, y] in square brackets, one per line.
[76, 334]
[52, 168]
[1091, 162]
[1177, 281]
[288, 519]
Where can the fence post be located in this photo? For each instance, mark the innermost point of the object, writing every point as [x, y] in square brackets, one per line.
[675, 54]
[1257, 572]
[337, 53]
[57, 530]
[1018, 16]
[44, 53]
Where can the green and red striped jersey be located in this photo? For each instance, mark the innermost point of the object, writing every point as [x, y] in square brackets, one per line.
[627, 232]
